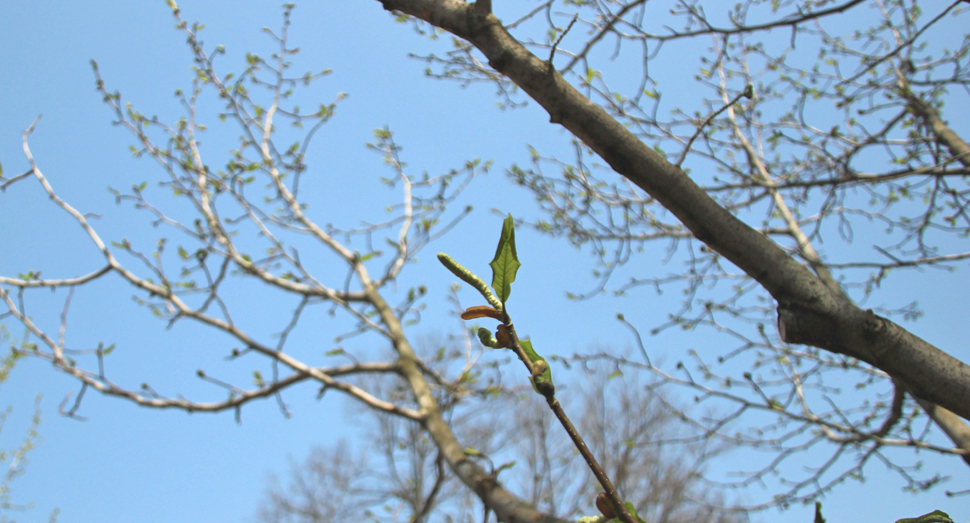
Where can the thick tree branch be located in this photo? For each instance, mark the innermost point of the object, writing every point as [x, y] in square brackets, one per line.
[941, 131]
[808, 312]
[954, 427]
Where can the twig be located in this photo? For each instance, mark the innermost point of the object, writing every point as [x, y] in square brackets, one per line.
[552, 52]
[619, 508]
[550, 394]
[747, 93]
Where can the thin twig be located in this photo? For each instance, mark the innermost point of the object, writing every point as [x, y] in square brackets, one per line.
[552, 52]
[747, 93]
[618, 506]
[550, 394]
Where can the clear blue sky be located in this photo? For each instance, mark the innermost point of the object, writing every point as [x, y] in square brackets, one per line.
[128, 464]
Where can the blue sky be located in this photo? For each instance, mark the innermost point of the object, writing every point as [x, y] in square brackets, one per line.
[127, 464]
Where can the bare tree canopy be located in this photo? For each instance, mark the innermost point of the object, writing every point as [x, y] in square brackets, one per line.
[789, 158]
[393, 482]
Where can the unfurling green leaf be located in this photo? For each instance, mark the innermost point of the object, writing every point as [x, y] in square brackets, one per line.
[818, 513]
[506, 261]
[543, 381]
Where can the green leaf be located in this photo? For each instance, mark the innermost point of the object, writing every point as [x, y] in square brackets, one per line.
[545, 377]
[937, 516]
[506, 262]
[502, 467]
[818, 513]
[631, 510]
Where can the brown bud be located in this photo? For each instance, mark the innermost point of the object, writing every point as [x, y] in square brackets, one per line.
[481, 311]
[603, 503]
[502, 336]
